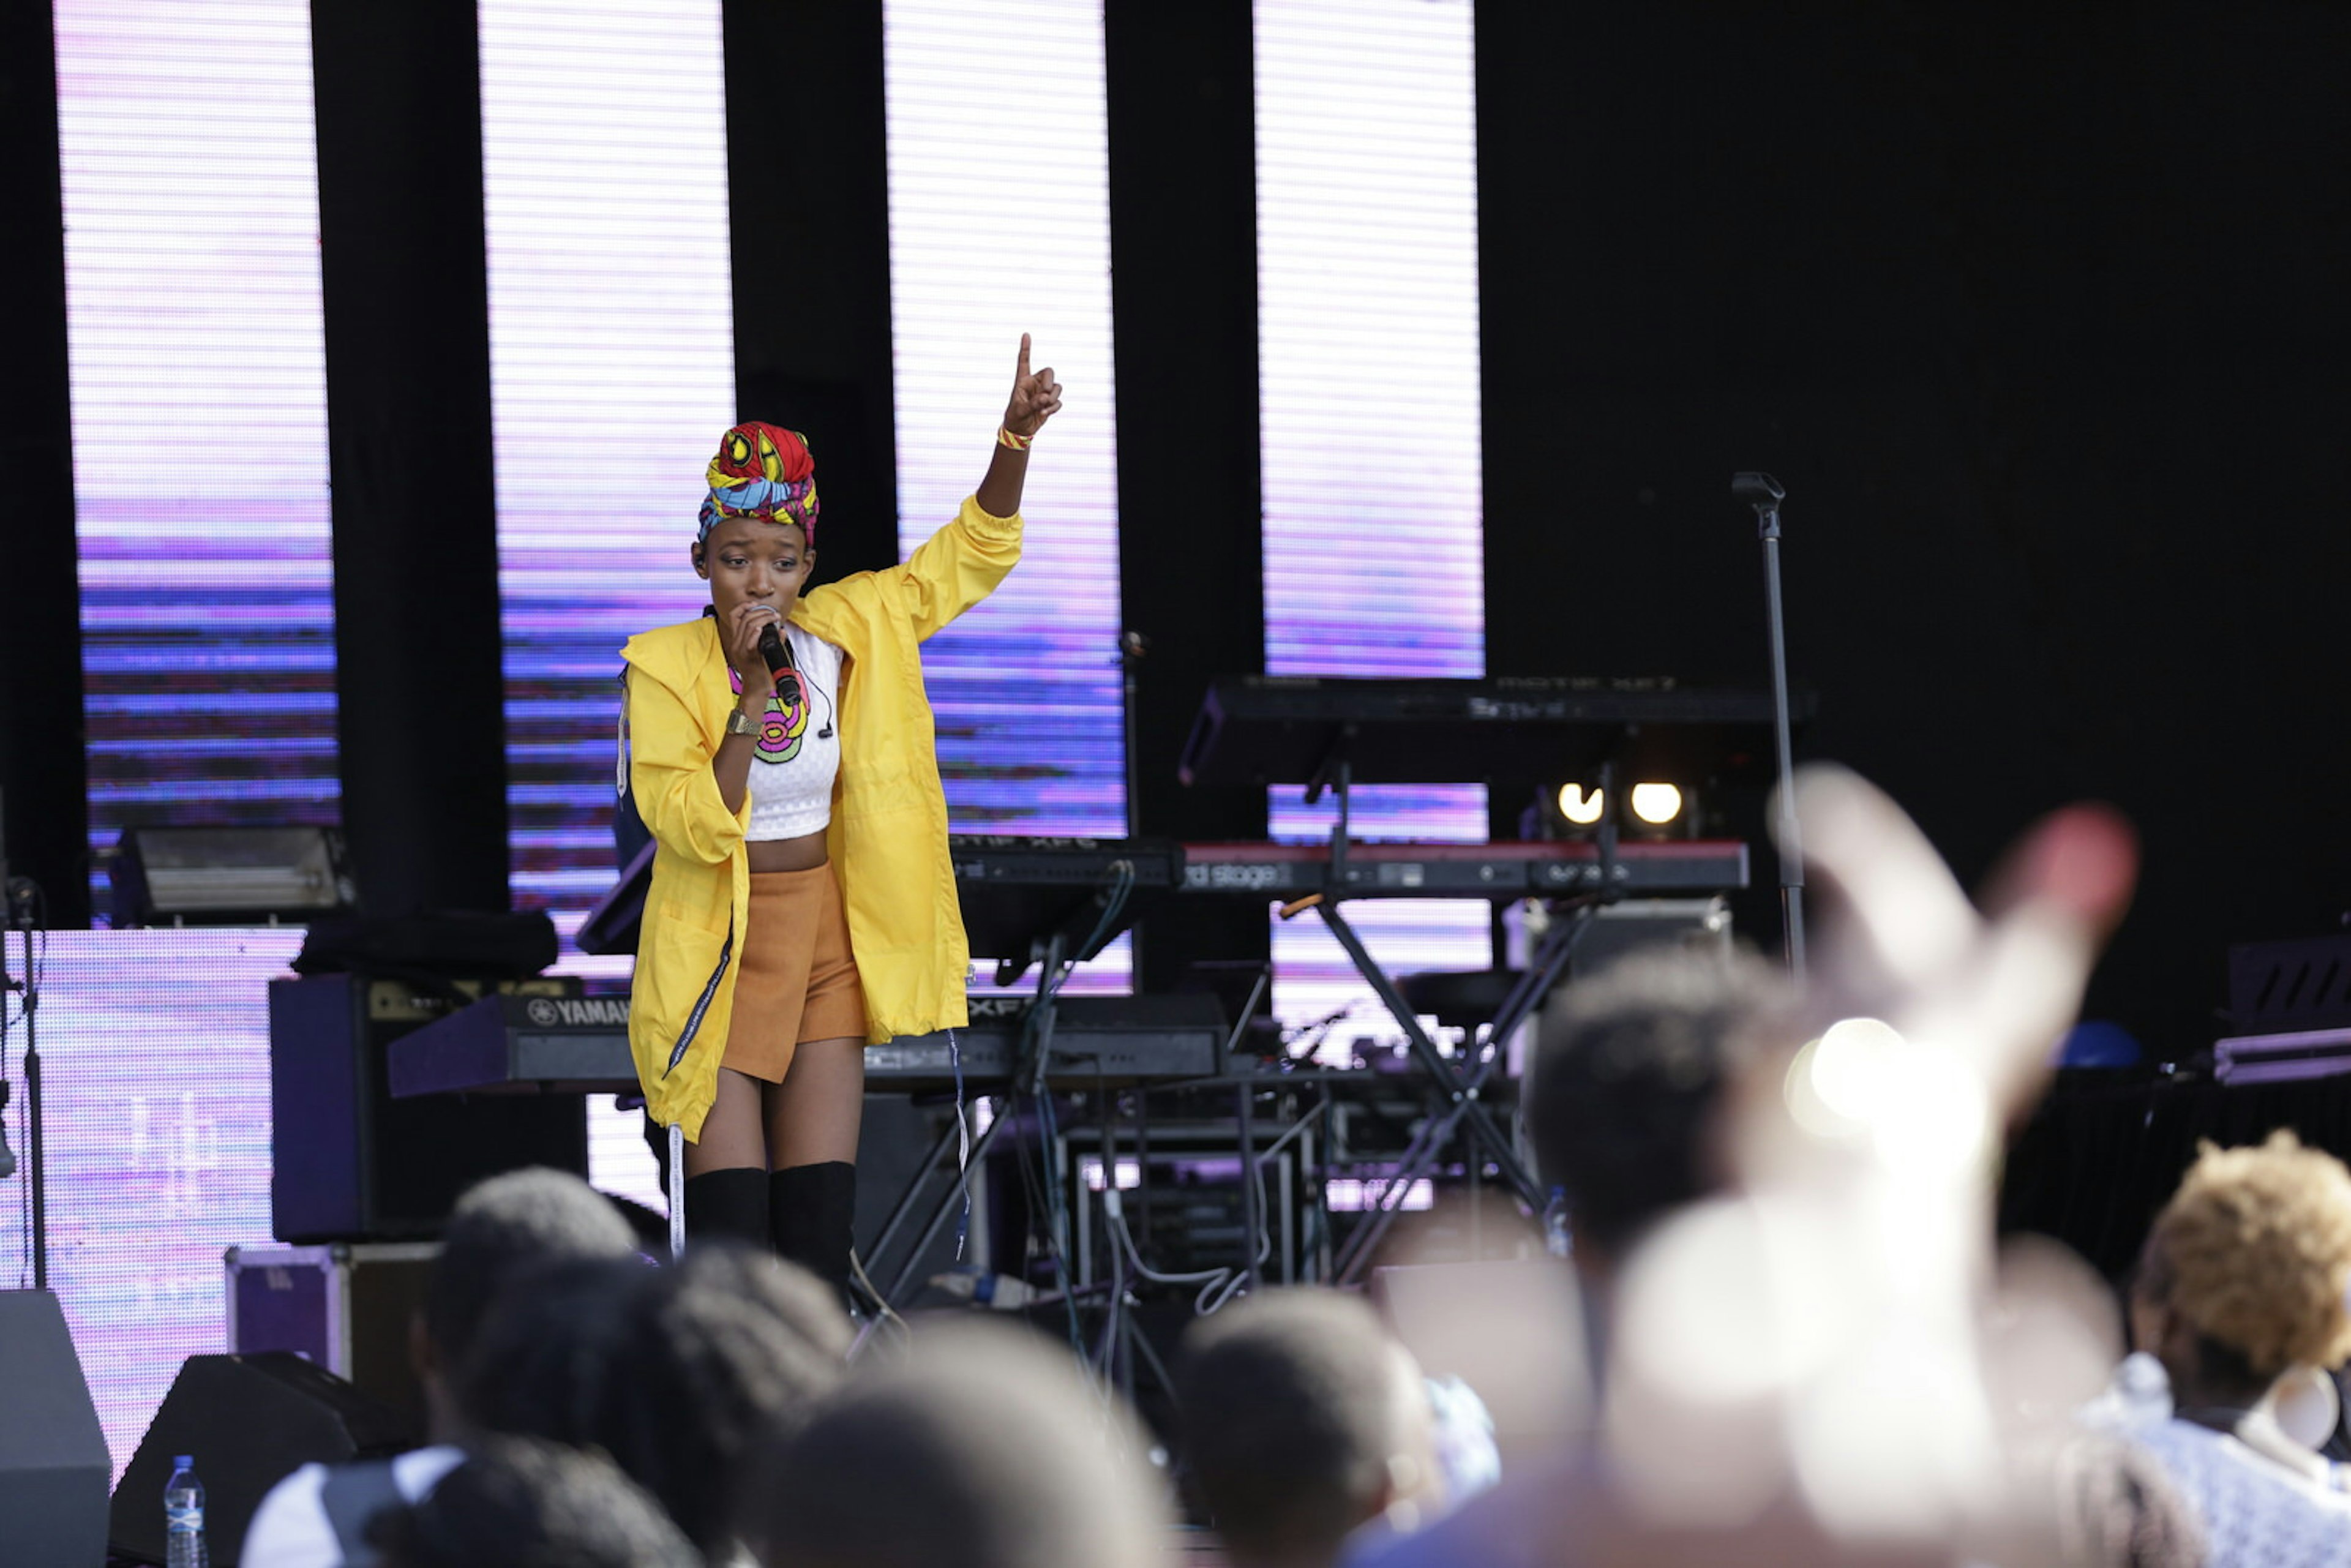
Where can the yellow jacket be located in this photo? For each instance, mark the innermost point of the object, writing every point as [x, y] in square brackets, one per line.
[889, 834]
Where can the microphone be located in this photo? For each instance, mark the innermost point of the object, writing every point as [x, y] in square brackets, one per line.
[775, 650]
[778, 654]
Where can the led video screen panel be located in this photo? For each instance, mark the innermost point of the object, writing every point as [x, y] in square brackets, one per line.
[999, 223]
[155, 1055]
[199, 412]
[1367, 344]
[612, 374]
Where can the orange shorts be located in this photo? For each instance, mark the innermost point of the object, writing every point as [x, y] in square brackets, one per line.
[796, 978]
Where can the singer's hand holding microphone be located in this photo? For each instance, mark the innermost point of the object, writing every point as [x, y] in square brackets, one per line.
[748, 648]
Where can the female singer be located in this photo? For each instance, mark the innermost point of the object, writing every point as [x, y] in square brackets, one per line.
[802, 901]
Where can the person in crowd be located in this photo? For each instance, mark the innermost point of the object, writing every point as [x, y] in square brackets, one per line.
[504, 1226]
[1624, 1099]
[2241, 1286]
[673, 1372]
[2115, 1506]
[801, 904]
[982, 1448]
[1799, 1366]
[521, 1503]
[1625, 1109]
[1303, 1419]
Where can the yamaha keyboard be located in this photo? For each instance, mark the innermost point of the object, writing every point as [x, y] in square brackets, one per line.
[580, 1045]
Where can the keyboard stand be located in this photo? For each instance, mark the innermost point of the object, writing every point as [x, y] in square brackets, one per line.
[1459, 1083]
[1032, 1081]
[895, 1294]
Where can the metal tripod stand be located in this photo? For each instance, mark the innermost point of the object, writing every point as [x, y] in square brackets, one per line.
[1459, 1085]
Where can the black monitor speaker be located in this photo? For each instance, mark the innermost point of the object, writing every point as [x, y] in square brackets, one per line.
[248, 1422]
[348, 1162]
[54, 1465]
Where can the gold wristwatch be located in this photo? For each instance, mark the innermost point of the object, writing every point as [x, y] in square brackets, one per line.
[741, 722]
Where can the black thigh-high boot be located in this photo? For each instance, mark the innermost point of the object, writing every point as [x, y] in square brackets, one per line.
[812, 1214]
[729, 1204]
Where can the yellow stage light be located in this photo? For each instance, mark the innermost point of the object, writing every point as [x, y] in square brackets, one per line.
[1656, 804]
[1581, 806]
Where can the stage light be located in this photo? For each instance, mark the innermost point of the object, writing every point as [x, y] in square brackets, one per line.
[1656, 804]
[1581, 806]
[229, 876]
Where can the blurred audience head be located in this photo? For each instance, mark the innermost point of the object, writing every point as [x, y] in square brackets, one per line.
[2244, 1273]
[506, 1226]
[673, 1372]
[518, 1503]
[1301, 1420]
[983, 1448]
[1626, 1103]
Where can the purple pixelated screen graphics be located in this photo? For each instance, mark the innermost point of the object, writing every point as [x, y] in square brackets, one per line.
[197, 345]
[155, 1055]
[1026, 686]
[1369, 403]
[613, 367]
[611, 376]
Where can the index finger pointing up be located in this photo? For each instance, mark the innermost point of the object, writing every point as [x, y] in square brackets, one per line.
[1021, 370]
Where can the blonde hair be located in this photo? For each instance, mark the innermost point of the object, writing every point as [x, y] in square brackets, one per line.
[2255, 1250]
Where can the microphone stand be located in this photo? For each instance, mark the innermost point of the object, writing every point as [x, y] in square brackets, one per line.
[1764, 494]
[17, 900]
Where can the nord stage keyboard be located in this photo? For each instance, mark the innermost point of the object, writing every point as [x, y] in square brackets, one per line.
[580, 1045]
[992, 873]
[1498, 870]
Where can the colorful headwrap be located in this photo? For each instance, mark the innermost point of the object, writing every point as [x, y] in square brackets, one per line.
[761, 471]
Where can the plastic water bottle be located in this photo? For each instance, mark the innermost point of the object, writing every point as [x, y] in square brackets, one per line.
[184, 1517]
[1559, 1239]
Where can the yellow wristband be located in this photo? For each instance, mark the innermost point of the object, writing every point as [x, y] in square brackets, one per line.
[1004, 437]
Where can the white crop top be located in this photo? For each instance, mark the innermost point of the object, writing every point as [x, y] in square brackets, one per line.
[796, 756]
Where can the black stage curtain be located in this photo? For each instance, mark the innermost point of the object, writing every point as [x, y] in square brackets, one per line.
[2039, 315]
[43, 784]
[1183, 207]
[418, 652]
[808, 206]
[2104, 1152]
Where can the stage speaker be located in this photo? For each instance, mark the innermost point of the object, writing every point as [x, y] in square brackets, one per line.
[53, 1461]
[349, 1163]
[248, 1421]
[1639, 925]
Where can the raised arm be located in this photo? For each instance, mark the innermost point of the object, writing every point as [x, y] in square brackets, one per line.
[1035, 398]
